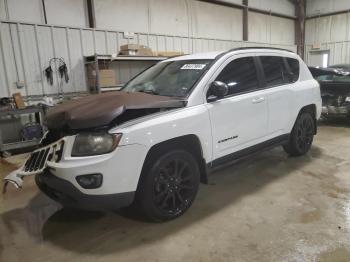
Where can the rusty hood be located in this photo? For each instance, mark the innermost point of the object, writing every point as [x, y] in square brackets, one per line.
[102, 109]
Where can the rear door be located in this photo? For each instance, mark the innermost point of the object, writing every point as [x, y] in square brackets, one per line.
[280, 74]
[238, 120]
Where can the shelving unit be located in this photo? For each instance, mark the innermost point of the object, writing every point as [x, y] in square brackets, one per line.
[8, 121]
[98, 61]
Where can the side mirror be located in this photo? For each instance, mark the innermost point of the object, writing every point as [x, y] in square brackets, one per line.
[217, 90]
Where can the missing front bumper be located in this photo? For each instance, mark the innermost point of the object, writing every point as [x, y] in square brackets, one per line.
[68, 195]
[336, 110]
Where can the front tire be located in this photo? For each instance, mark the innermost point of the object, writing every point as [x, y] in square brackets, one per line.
[168, 185]
[302, 135]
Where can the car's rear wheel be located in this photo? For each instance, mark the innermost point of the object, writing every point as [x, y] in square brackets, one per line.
[168, 185]
[302, 135]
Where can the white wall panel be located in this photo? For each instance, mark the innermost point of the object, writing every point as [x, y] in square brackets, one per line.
[214, 21]
[339, 52]
[28, 10]
[112, 43]
[9, 60]
[3, 10]
[314, 7]
[61, 50]
[331, 33]
[168, 17]
[282, 30]
[31, 61]
[77, 70]
[46, 53]
[279, 6]
[66, 12]
[327, 29]
[122, 15]
[270, 29]
[88, 42]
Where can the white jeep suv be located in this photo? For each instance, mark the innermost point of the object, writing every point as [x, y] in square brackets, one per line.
[153, 142]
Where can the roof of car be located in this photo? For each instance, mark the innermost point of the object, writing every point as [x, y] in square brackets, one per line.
[216, 54]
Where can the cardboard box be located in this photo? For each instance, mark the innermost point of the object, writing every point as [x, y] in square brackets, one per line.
[128, 52]
[134, 49]
[145, 51]
[107, 78]
[129, 47]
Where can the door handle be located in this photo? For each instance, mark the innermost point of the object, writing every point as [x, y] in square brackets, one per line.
[258, 100]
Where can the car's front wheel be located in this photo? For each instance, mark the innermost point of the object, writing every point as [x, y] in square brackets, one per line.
[302, 135]
[168, 185]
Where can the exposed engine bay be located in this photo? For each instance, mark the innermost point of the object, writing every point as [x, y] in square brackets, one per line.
[335, 90]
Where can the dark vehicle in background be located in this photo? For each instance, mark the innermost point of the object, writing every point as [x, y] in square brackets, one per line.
[335, 90]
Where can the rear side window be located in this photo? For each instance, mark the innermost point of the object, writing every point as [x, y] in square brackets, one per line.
[240, 75]
[275, 70]
[293, 65]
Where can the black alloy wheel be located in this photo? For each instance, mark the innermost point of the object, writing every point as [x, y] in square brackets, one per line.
[302, 135]
[169, 186]
[174, 186]
[305, 133]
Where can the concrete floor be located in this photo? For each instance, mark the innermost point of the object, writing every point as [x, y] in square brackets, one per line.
[268, 208]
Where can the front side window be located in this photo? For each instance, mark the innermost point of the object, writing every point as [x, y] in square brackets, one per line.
[275, 71]
[173, 78]
[239, 75]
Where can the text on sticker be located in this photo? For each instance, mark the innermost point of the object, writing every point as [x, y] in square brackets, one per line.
[193, 66]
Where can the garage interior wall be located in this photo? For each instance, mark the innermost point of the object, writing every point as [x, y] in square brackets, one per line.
[29, 37]
[328, 33]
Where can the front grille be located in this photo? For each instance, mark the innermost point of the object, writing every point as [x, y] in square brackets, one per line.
[36, 163]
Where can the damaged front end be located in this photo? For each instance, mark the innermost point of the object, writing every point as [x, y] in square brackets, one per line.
[335, 99]
[35, 164]
[335, 90]
[95, 113]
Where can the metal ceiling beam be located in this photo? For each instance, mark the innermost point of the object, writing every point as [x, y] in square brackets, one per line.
[328, 14]
[252, 9]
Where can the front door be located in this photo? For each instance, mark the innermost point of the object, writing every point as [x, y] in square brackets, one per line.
[238, 120]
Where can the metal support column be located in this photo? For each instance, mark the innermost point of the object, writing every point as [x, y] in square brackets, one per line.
[300, 10]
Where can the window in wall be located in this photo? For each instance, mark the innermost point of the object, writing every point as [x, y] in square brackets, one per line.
[240, 75]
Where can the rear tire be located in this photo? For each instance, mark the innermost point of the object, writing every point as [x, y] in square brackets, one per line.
[168, 185]
[301, 138]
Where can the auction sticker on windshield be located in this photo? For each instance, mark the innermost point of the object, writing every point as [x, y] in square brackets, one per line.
[193, 66]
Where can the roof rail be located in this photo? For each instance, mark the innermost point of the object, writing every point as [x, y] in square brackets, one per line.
[259, 47]
[251, 47]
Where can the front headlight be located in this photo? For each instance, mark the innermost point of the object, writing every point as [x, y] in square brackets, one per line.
[347, 99]
[95, 144]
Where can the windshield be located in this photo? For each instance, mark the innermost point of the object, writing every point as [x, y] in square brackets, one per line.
[173, 78]
[333, 78]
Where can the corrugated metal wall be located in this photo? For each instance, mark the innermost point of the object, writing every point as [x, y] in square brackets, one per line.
[330, 33]
[315, 7]
[25, 50]
[164, 25]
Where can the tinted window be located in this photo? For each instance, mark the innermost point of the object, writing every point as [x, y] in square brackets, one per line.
[172, 78]
[275, 71]
[239, 75]
[294, 69]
